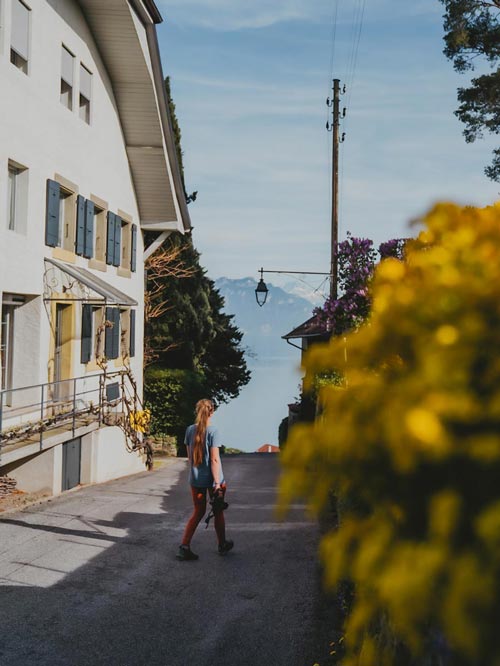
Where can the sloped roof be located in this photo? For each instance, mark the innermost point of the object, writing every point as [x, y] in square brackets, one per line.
[268, 448]
[142, 107]
[309, 329]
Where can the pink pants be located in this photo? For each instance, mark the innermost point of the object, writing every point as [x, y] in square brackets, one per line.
[199, 509]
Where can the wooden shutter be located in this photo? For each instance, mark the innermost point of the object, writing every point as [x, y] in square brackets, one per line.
[112, 337]
[116, 333]
[108, 336]
[110, 238]
[80, 224]
[86, 351]
[88, 246]
[133, 249]
[118, 241]
[132, 334]
[52, 213]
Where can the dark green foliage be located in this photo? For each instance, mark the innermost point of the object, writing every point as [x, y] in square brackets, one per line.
[195, 334]
[196, 337]
[283, 432]
[472, 31]
[196, 346]
[171, 394]
[177, 137]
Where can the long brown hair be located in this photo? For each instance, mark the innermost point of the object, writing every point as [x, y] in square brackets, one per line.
[204, 410]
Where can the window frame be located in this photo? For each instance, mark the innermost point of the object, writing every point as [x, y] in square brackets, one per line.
[17, 205]
[20, 61]
[87, 106]
[69, 104]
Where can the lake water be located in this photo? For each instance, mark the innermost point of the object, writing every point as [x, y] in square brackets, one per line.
[253, 418]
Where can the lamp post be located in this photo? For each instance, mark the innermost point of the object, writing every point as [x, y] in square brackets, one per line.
[261, 291]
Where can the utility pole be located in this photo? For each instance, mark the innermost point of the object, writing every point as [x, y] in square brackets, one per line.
[335, 128]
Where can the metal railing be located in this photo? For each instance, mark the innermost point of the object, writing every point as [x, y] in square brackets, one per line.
[29, 412]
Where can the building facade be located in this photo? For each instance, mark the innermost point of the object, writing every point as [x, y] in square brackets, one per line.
[87, 165]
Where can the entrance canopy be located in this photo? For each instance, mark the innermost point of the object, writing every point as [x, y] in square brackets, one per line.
[68, 282]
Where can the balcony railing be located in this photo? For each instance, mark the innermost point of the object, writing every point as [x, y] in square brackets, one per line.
[30, 413]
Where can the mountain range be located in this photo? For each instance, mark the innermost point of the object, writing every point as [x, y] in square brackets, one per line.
[263, 327]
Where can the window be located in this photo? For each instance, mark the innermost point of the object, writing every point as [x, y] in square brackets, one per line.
[126, 244]
[17, 196]
[13, 195]
[127, 333]
[99, 233]
[65, 218]
[84, 242]
[112, 334]
[6, 348]
[133, 249]
[60, 221]
[113, 239]
[19, 43]
[67, 68]
[92, 341]
[124, 333]
[85, 93]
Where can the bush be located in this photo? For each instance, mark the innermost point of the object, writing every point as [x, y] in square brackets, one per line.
[171, 395]
[411, 444]
[283, 432]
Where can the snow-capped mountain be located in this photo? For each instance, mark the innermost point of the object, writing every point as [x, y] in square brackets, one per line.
[264, 326]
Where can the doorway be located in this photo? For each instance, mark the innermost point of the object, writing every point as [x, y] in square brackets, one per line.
[7, 350]
[71, 463]
[62, 351]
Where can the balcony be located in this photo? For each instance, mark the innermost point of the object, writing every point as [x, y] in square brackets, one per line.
[34, 418]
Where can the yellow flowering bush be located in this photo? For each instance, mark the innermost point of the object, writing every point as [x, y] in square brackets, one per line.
[410, 443]
[140, 420]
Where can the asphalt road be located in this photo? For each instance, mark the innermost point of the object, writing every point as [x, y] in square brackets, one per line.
[91, 577]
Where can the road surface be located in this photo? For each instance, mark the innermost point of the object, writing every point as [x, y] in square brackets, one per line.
[91, 577]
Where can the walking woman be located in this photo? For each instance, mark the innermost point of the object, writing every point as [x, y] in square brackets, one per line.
[202, 442]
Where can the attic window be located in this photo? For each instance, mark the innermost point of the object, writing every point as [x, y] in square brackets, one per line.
[85, 93]
[19, 44]
[67, 68]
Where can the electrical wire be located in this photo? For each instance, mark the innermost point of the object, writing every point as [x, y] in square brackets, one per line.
[356, 50]
[357, 22]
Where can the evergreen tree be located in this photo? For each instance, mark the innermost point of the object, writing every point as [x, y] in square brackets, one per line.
[177, 137]
[194, 344]
[195, 334]
[472, 31]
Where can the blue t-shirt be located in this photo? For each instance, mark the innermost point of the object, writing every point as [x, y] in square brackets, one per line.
[200, 476]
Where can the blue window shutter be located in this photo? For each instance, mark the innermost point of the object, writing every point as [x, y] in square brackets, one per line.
[118, 239]
[110, 238]
[116, 333]
[80, 224]
[86, 351]
[132, 334]
[88, 246]
[52, 213]
[108, 336]
[133, 249]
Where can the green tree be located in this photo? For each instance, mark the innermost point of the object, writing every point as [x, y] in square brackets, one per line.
[193, 348]
[177, 137]
[194, 333]
[472, 32]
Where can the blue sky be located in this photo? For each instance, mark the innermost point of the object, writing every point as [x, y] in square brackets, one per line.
[250, 80]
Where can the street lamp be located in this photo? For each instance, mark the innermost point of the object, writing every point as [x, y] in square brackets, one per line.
[261, 290]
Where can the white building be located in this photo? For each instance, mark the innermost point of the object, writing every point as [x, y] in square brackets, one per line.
[87, 164]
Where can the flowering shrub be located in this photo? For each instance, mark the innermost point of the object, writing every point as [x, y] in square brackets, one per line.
[392, 248]
[356, 259]
[411, 444]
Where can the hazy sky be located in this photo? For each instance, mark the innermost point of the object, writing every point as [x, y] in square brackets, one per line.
[250, 80]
